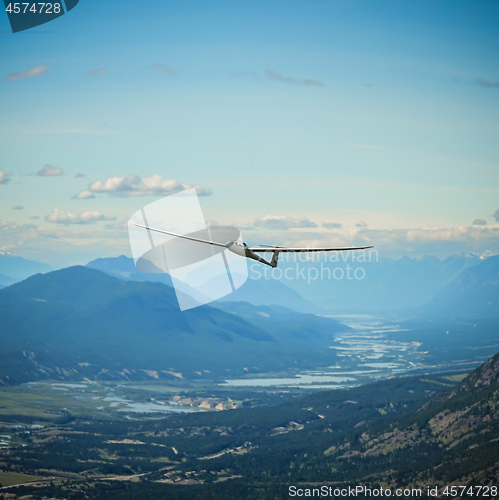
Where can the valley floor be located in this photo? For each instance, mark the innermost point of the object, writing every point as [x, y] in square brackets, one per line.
[78, 452]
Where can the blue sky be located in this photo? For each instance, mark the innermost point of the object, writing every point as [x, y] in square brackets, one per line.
[379, 116]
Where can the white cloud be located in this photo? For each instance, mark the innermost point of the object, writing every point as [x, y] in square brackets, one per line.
[61, 217]
[96, 72]
[433, 241]
[64, 244]
[34, 71]
[331, 225]
[4, 178]
[6, 248]
[91, 215]
[76, 243]
[394, 243]
[274, 75]
[49, 171]
[83, 195]
[283, 222]
[133, 185]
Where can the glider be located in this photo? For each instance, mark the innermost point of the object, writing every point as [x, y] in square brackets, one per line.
[242, 249]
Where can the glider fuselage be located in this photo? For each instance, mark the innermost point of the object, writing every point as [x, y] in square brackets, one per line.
[240, 248]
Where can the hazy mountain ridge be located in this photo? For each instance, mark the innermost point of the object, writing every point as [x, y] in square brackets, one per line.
[263, 292]
[6, 280]
[474, 293]
[285, 323]
[35, 314]
[256, 292]
[123, 267]
[461, 321]
[388, 284]
[17, 268]
[80, 322]
[385, 285]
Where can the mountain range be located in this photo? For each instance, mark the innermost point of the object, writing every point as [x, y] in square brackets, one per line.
[379, 286]
[14, 268]
[459, 326]
[79, 322]
[256, 292]
[386, 286]
[474, 293]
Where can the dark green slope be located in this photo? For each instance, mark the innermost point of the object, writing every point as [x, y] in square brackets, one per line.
[453, 439]
[380, 434]
[80, 322]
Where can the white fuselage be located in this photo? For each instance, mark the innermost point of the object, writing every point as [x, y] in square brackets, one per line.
[240, 248]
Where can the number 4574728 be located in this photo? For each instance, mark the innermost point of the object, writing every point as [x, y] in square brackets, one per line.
[482, 491]
[40, 8]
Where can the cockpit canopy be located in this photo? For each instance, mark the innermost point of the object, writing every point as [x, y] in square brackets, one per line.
[237, 247]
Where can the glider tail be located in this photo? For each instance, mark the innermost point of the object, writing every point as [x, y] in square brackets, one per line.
[275, 258]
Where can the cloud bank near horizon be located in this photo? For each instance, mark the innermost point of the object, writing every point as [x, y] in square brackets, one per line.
[25, 239]
[59, 216]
